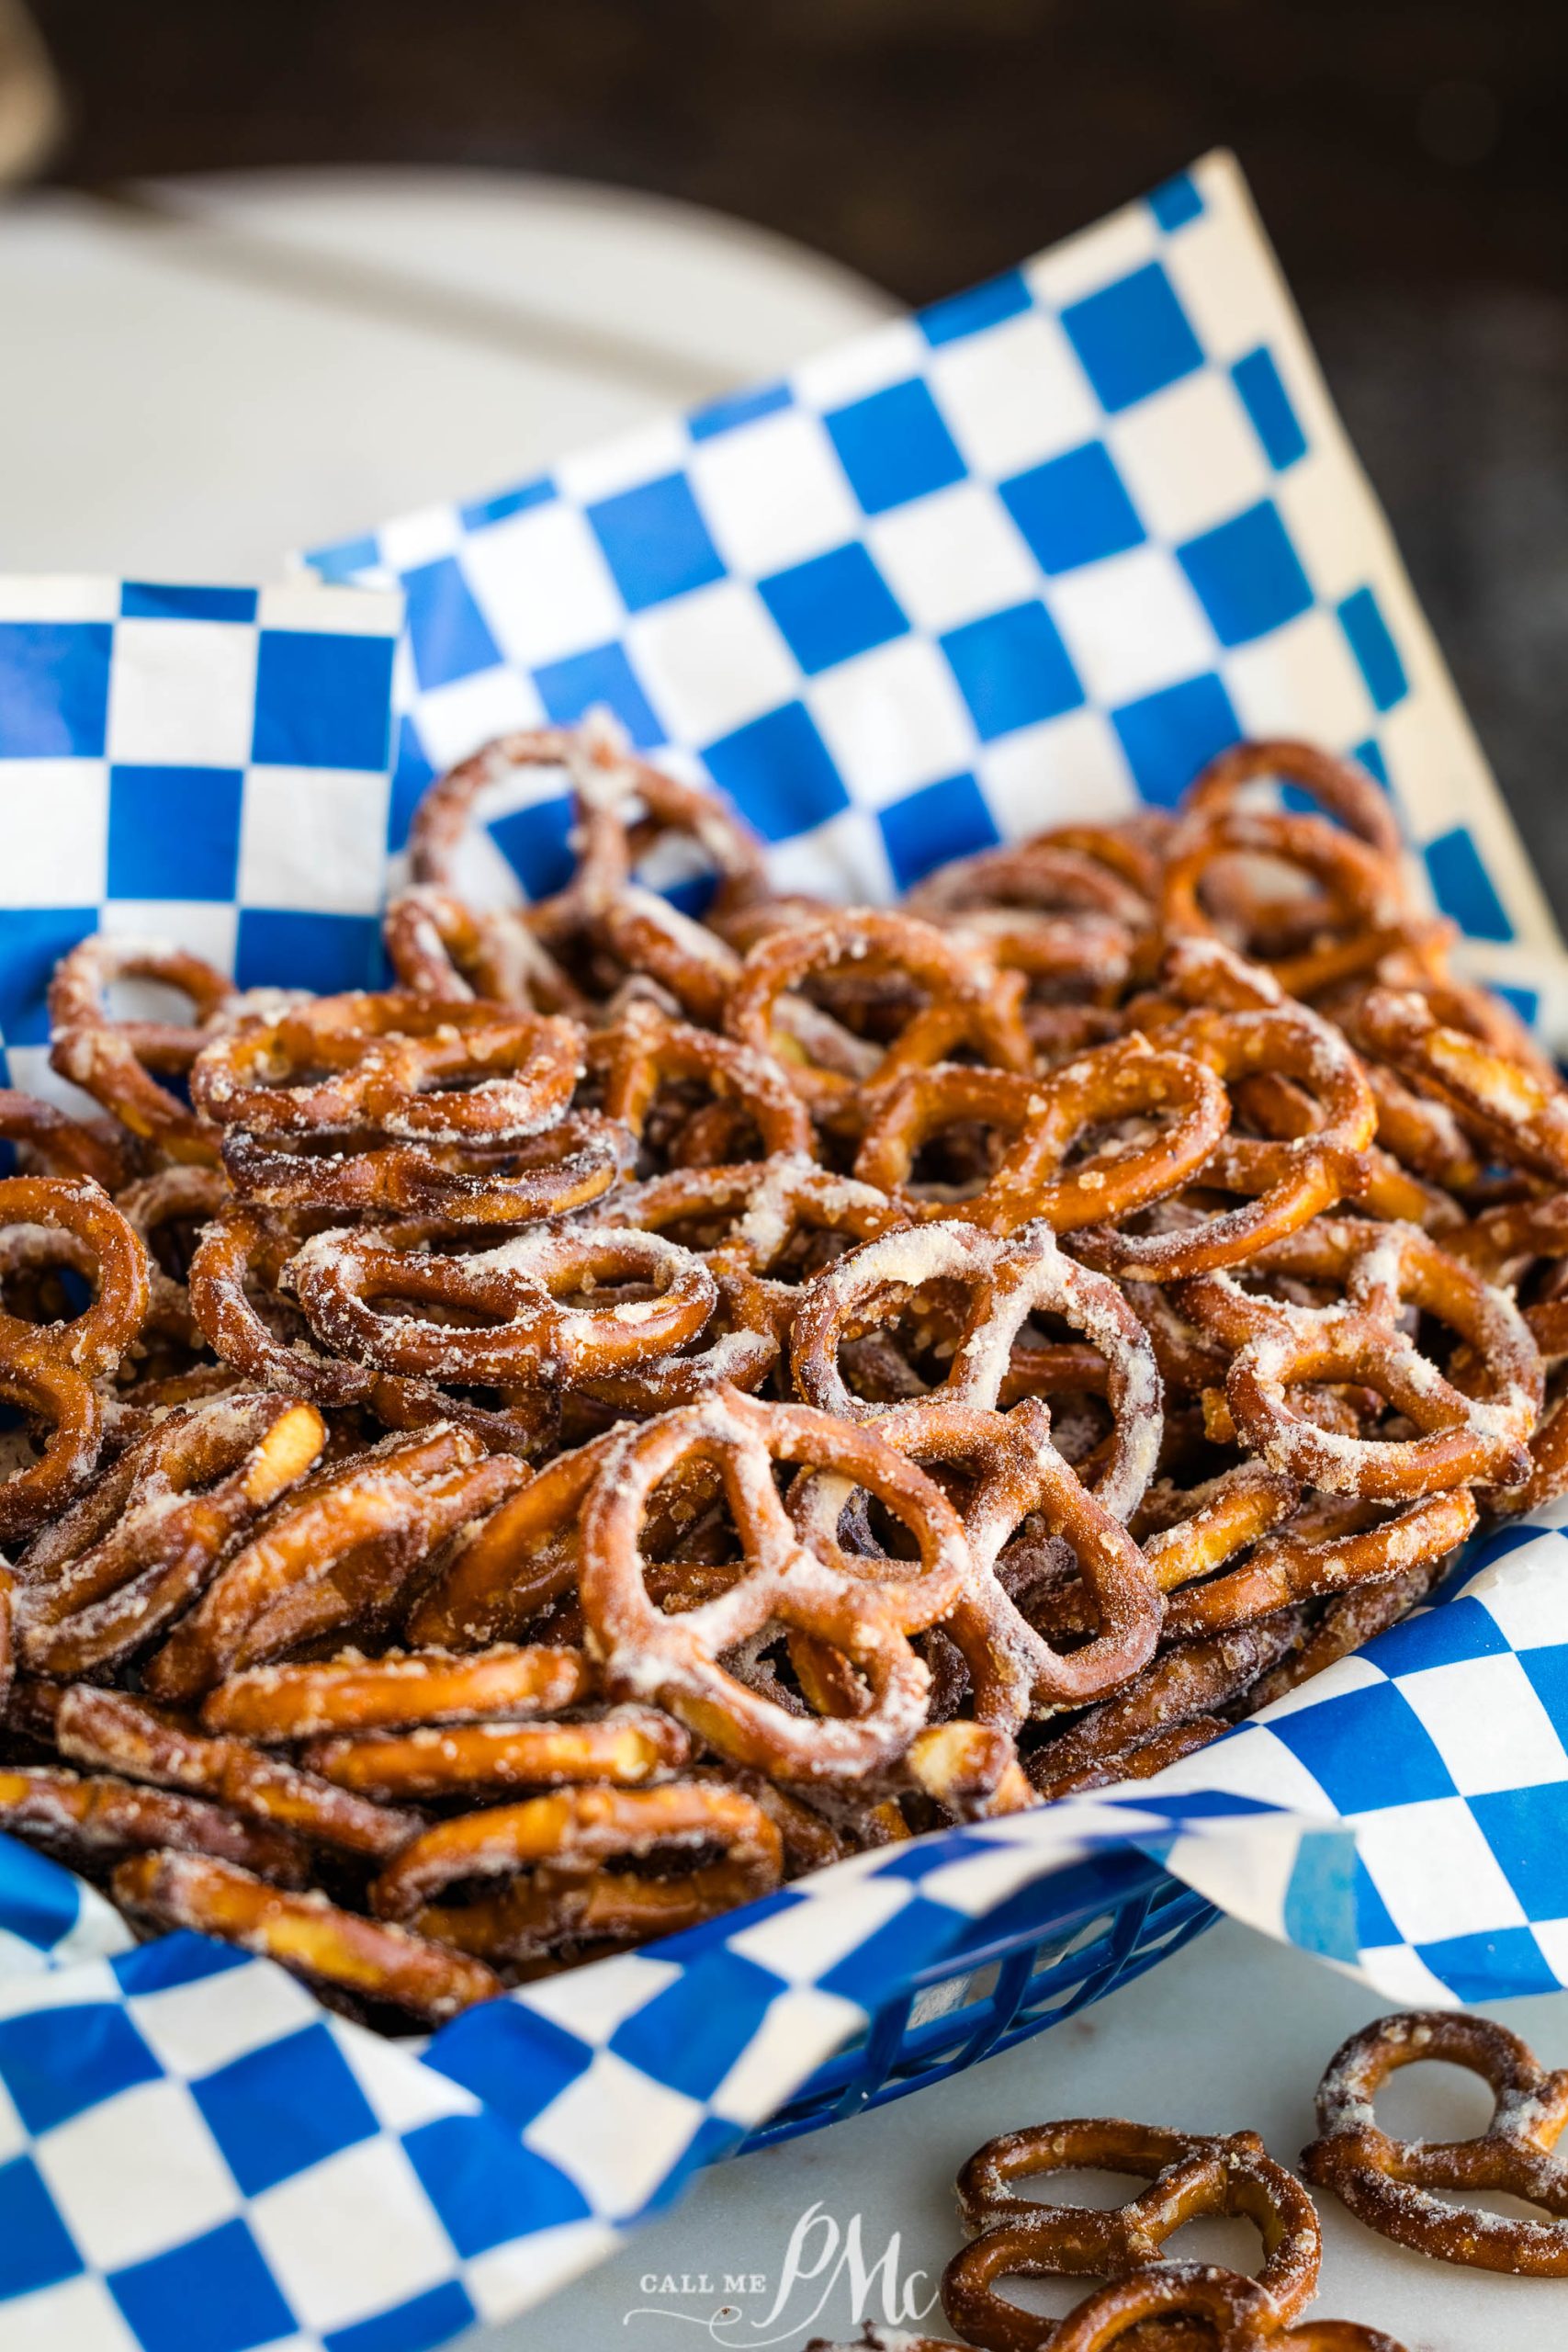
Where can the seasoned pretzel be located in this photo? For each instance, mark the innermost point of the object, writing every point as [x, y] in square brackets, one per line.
[439, 948]
[1463, 1438]
[380, 1512]
[645, 1049]
[1190, 2173]
[116, 1568]
[82, 1214]
[557, 1851]
[337, 1950]
[626, 1746]
[574, 1160]
[58, 1145]
[417, 1070]
[815, 1590]
[1515, 1110]
[67, 1405]
[1011, 1279]
[1338, 785]
[530, 1335]
[116, 1061]
[1046, 1116]
[1389, 2184]
[1359, 916]
[1047, 876]
[1235, 2315]
[1182, 1687]
[396, 1691]
[94, 1819]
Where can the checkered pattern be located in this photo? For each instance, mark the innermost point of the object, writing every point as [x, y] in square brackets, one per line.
[207, 764]
[1048, 546]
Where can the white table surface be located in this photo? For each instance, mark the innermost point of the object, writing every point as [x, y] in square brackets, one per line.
[228, 369]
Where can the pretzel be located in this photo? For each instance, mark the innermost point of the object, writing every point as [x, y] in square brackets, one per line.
[1339, 787]
[81, 1213]
[113, 1731]
[645, 1049]
[1389, 2184]
[64, 1401]
[439, 948]
[1047, 876]
[1234, 2313]
[90, 1820]
[1517, 1113]
[1463, 1438]
[120, 1062]
[339, 1276]
[1009, 1279]
[626, 1748]
[557, 1850]
[116, 1568]
[564, 1166]
[813, 1589]
[58, 1145]
[396, 1691]
[380, 1512]
[1047, 1116]
[1190, 2173]
[1358, 914]
[339, 1950]
[1182, 1687]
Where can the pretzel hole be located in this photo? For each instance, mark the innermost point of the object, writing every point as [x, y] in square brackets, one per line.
[130, 996]
[1433, 2100]
[1223, 2238]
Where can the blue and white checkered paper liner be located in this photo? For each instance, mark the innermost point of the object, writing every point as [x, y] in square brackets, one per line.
[1043, 549]
[195, 2158]
[1039, 552]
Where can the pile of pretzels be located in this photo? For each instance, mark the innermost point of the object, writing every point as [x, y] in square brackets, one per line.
[510, 1465]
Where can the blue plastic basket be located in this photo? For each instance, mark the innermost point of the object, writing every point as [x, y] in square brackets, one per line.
[1115, 1916]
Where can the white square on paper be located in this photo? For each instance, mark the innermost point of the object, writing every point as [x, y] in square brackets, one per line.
[893, 719]
[118, 2205]
[541, 581]
[350, 2236]
[1328, 518]
[204, 927]
[887, 355]
[1190, 456]
[1434, 1872]
[774, 494]
[182, 693]
[1014, 394]
[1050, 774]
[79, 2314]
[1223, 273]
[452, 722]
[712, 661]
[1131, 625]
[1487, 1724]
[1301, 680]
[193, 2030]
[54, 832]
[413, 539]
[953, 556]
[1096, 256]
[617, 2132]
[313, 839]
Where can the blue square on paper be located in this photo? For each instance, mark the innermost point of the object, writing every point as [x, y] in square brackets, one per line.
[777, 770]
[1263, 395]
[1073, 509]
[347, 561]
[1491, 1967]
[447, 635]
[689, 2035]
[836, 606]
[1524, 1001]
[737, 409]
[655, 541]
[36, 939]
[1463, 888]
[278, 947]
[571, 688]
[42, 1899]
[1012, 669]
[181, 1957]
[434, 2317]
[1177, 202]
[894, 447]
[1133, 338]
[412, 772]
[1524, 1829]
[486, 2184]
[1370, 755]
[303, 2076]
[1367, 1749]
[56, 2062]
[1546, 1670]
[481, 513]
[537, 843]
[1377, 656]
[516, 2060]
[174, 832]
[977, 307]
[1247, 575]
[942, 820]
[154, 600]
[1461, 1630]
[34, 2248]
[322, 701]
[213, 2294]
[54, 689]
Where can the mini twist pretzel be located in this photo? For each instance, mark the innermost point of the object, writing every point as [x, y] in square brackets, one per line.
[1190, 2173]
[55, 1145]
[115, 1061]
[645, 1048]
[1287, 1179]
[1048, 876]
[89, 1820]
[112, 1570]
[533, 1336]
[1046, 1116]
[1359, 915]
[1234, 2312]
[338, 1951]
[1011, 1279]
[69, 1408]
[87, 1220]
[439, 948]
[1338, 785]
[1389, 2184]
[962, 990]
[567, 1164]
[815, 1589]
[420, 1071]
[626, 1748]
[396, 1691]
[558, 1850]
[1518, 1112]
[1463, 1438]
[381, 1512]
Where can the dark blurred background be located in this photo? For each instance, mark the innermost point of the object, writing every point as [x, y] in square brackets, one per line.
[1410, 158]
